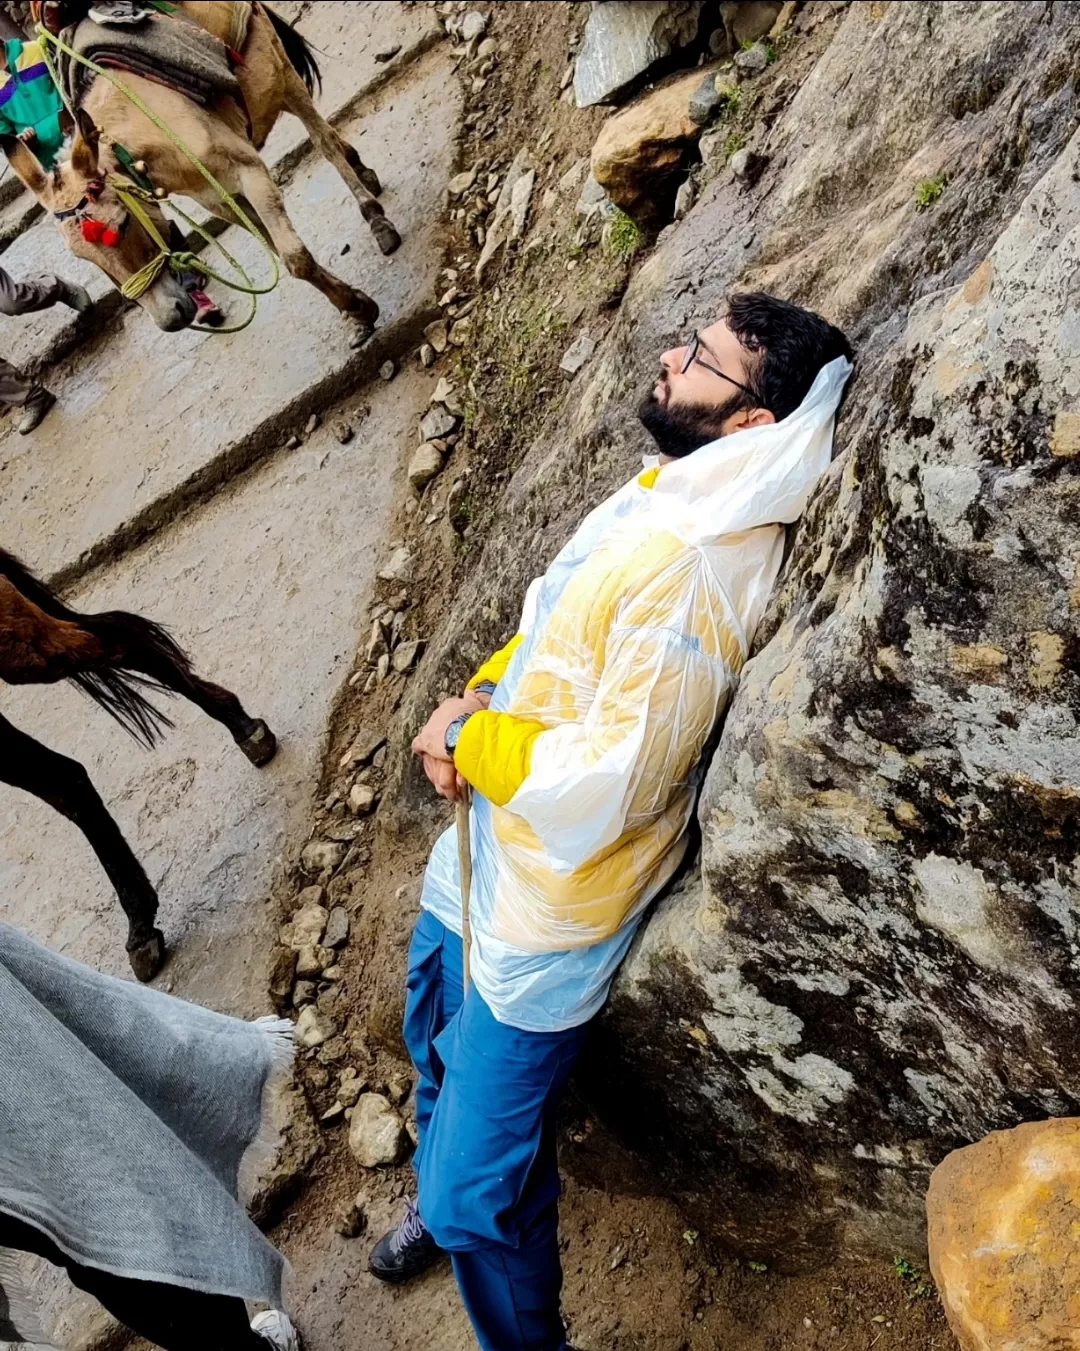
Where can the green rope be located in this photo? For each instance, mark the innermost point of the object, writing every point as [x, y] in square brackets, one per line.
[137, 284]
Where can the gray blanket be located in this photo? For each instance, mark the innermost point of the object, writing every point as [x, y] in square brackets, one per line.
[170, 49]
[125, 1118]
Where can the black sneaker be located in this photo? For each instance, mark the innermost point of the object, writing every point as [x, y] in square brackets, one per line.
[404, 1252]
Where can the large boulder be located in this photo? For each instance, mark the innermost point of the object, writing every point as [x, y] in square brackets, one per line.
[624, 39]
[876, 962]
[642, 149]
[1003, 1218]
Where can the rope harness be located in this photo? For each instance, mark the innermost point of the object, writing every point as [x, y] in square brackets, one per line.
[134, 195]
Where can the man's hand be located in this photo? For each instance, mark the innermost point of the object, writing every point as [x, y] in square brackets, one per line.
[430, 745]
[28, 136]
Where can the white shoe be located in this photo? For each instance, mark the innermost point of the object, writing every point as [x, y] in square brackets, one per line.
[277, 1330]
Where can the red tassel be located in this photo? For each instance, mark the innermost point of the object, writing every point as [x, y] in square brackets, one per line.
[110, 237]
[92, 230]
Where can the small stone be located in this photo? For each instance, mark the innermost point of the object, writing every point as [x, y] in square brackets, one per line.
[372, 682]
[684, 198]
[307, 925]
[752, 60]
[461, 183]
[350, 1091]
[383, 668]
[576, 355]
[344, 433]
[334, 1051]
[747, 165]
[520, 196]
[304, 992]
[312, 424]
[362, 798]
[312, 895]
[387, 370]
[376, 1133]
[437, 423]
[333, 1115]
[309, 963]
[457, 506]
[436, 335]
[473, 25]
[313, 1029]
[407, 655]
[442, 391]
[387, 54]
[282, 976]
[377, 644]
[364, 745]
[399, 1088]
[398, 567]
[425, 464]
[379, 758]
[710, 96]
[320, 854]
[350, 1220]
[333, 973]
[487, 48]
[292, 443]
[459, 332]
[337, 928]
[427, 355]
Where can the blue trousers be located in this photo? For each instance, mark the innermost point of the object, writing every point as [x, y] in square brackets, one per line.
[486, 1160]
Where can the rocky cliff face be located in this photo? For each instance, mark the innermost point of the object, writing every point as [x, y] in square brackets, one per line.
[877, 961]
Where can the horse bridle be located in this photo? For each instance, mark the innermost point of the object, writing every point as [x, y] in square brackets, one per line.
[93, 230]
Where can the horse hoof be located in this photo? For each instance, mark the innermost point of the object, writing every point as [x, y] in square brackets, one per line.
[148, 958]
[261, 746]
[370, 180]
[362, 323]
[386, 236]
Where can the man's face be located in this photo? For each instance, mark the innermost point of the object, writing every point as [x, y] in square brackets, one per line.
[686, 411]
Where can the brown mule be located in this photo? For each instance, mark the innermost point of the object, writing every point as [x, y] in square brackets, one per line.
[112, 657]
[278, 74]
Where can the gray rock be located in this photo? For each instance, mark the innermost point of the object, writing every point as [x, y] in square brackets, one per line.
[752, 60]
[576, 355]
[398, 567]
[350, 1091]
[311, 960]
[312, 1028]
[376, 1132]
[437, 423]
[461, 183]
[436, 335]
[293, 443]
[427, 354]
[426, 464]
[304, 992]
[748, 166]
[282, 976]
[320, 854]
[520, 197]
[343, 431]
[362, 799]
[407, 655]
[312, 424]
[336, 934]
[473, 25]
[685, 198]
[364, 745]
[710, 96]
[376, 644]
[307, 925]
[387, 370]
[623, 40]
[592, 197]
[351, 1218]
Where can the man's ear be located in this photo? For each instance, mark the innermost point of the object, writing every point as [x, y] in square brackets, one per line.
[84, 149]
[26, 164]
[760, 417]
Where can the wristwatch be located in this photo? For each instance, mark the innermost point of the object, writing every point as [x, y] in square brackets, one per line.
[453, 733]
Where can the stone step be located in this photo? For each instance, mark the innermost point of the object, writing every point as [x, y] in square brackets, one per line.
[149, 423]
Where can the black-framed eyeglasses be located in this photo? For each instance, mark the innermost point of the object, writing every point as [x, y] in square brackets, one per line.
[693, 353]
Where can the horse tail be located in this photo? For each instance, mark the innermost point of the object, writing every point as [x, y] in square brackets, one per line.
[117, 689]
[300, 52]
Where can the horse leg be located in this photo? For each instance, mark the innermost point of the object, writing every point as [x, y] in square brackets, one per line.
[262, 192]
[252, 735]
[65, 785]
[361, 181]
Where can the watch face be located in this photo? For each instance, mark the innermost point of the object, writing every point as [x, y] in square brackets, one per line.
[453, 732]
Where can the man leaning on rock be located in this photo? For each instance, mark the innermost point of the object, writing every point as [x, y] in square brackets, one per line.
[582, 742]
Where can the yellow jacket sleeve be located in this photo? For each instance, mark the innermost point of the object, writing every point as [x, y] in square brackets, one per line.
[494, 752]
[495, 667]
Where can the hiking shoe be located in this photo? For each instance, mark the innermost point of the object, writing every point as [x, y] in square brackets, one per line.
[34, 410]
[206, 310]
[404, 1252]
[76, 297]
[276, 1330]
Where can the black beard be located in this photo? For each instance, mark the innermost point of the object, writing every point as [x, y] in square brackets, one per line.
[680, 431]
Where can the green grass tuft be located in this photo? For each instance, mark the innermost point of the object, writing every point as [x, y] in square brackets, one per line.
[624, 236]
[928, 191]
[734, 142]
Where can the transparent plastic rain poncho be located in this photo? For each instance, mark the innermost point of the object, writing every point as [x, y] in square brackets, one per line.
[633, 641]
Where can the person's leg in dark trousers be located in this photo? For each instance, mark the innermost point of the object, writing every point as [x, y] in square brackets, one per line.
[489, 1180]
[167, 1315]
[27, 297]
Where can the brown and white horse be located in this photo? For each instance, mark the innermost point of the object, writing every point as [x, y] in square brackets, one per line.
[113, 658]
[277, 75]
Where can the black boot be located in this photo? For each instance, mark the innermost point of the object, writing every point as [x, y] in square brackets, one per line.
[404, 1252]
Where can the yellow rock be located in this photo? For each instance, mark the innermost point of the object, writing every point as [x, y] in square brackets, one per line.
[1047, 656]
[977, 659]
[1004, 1220]
[1065, 438]
[645, 144]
